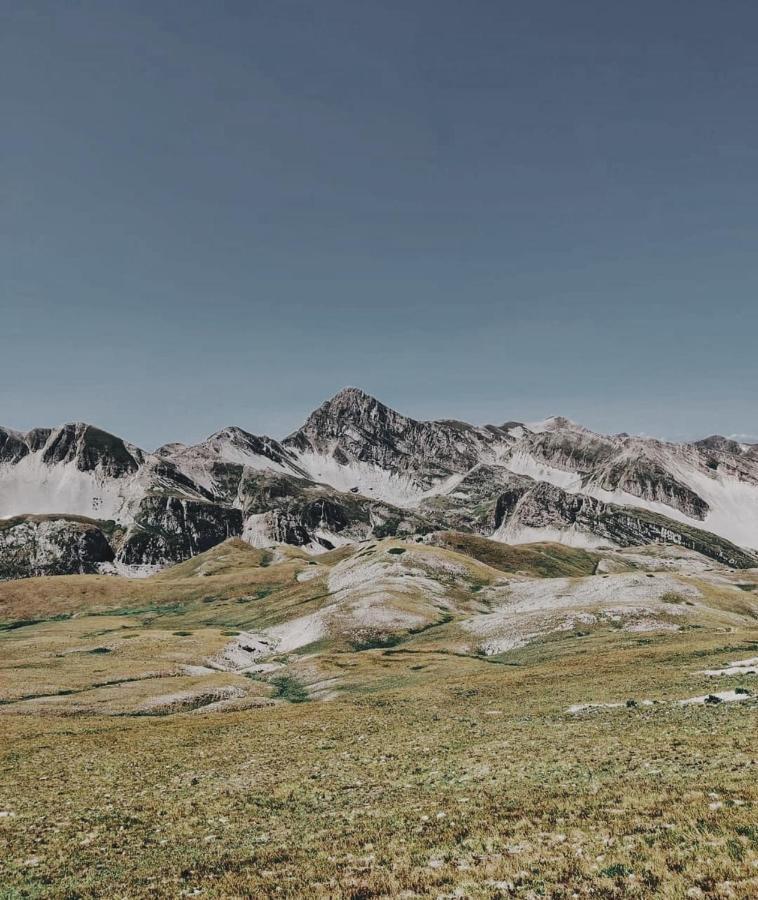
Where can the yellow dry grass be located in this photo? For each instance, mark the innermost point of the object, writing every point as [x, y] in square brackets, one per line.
[432, 772]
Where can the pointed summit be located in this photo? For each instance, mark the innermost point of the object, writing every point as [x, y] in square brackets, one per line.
[353, 401]
[91, 448]
[350, 412]
[353, 429]
[233, 445]
[353, 394]
[556, 423]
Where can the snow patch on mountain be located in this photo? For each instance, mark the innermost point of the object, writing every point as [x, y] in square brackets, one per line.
[733, 512]
[449, 473]
[233, 446]
[362, 478]
[555, 423]
[733, 506]
[522, 463]
[733, 503]
[31, 486]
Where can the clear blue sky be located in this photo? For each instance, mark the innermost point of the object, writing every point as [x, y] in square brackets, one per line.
[222, 212]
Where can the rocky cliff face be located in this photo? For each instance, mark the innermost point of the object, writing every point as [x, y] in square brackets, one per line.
[13, 447]
[357, 469]
[91, 449]
[649, 480]
[314, 515]
[87, 447]
[168, 529]
[545, 507]
[51, 546]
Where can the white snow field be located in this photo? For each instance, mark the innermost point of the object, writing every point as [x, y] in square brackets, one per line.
[30, 487]
[369, 479]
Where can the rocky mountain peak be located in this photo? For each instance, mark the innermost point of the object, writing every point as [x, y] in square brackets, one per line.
[355, 428]
[350, 413]
[357, 463]
[557, 423]
[233, 435]
[87, 446]
[352, 395]
[356, 406]
[231, 445]
[719, 443]
[91, 448]
[171, 449]
[13, 447]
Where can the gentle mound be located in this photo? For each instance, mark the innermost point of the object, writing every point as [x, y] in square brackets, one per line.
[546, 560]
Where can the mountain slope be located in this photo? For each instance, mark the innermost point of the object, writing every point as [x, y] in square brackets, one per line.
[713, 483]
[357, 469]
[354, 441]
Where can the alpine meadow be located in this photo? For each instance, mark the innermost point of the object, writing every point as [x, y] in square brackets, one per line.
[378, 450]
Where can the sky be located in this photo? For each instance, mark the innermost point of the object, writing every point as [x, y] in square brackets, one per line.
[217, 213]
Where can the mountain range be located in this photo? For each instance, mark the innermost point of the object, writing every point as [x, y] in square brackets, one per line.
[76, 499]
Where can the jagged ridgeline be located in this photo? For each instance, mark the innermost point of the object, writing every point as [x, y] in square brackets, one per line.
[76, 499]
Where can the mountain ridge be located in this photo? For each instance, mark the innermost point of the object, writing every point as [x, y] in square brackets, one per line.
[357, 468]
[711, 441]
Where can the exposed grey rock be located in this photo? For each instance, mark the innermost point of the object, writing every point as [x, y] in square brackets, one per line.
[48, 545]
[649, 480]
[472, 505]
[353, 426]
[303, 513]
[550, 507]
[170, 529]
[37, 438]
[12, 446]
[90, 448]
[416, 477]
[719, 444]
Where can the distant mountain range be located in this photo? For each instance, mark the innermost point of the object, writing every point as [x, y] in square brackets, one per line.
[77, 499]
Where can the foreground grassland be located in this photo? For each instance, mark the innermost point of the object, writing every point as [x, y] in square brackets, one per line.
[431, 772]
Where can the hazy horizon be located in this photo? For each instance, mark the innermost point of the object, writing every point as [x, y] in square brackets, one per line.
[217, 215]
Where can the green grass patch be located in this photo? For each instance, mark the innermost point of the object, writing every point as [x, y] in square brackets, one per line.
[289, 688]
[377, 642]
[26, 623]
